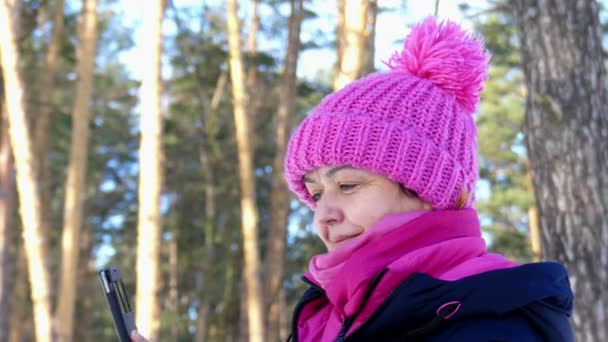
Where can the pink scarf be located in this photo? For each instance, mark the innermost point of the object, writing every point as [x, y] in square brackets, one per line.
[324, 267]
[445, 244]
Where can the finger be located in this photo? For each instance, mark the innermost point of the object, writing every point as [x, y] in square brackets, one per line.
[136, 337]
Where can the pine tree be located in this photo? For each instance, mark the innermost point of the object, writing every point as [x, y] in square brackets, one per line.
[566, 127]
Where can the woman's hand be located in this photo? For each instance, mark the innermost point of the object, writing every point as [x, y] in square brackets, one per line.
[136, 337]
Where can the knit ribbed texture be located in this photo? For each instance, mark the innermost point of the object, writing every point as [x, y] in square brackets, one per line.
[395, 124]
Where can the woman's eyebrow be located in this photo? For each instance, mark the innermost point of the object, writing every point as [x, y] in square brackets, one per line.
[331, 172]
[308, 180]
[336, 169]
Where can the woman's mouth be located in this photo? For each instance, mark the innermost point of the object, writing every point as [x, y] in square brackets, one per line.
[342, 238]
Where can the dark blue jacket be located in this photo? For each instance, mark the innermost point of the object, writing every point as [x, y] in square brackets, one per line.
[532, 302]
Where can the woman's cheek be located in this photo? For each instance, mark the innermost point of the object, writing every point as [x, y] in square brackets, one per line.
[321, 233]
[361, 215]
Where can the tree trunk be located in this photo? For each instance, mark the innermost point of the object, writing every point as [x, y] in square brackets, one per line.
[225, 332]
[36, 244]
[7, 186]
[252, 72]
[566, 130]
[285, 317]
[75, 184]
[206, 285]
[20, 316]
[209, 153]
[87, 283]
[367, 65]
[339, 37]
[352, 33]
[252, 41]
[253, 285]
[173, 284]
[535, 234]
[43, 119]
[149, 225]
[200, 334]
[243, 328]
[280, 195]
[213, 333]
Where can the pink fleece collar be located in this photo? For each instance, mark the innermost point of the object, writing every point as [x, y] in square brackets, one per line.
[324, 267]
[444, 244]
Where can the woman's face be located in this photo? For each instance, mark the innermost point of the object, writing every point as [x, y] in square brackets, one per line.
[350, 201]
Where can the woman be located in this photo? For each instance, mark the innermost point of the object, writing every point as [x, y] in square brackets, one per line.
[388, 165]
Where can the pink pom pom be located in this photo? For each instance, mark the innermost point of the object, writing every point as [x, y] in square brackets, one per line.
[447, 56]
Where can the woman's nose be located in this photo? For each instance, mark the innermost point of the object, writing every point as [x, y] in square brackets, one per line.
[328, 215]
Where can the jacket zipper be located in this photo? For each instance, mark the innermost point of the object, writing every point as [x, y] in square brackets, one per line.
[382, 305]
[294, 322]
[348, 322]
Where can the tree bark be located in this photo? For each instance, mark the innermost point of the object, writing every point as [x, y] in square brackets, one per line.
[87, 282]
[252, 40]
[279, 199]
[243, 328]
[254, 90]
[566, 129]
[149, 225]
[352, 34]
[7, 186]
[231, 282]
[339, 36]
[367, 65]
[249, 215]
[535, 234]
[284, 322]
[207, 155]
[42, 121]
[173, 284]
[75, 184]
[35, 242]
[20, 316]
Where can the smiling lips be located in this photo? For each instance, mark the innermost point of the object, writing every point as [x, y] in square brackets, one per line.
[340, 238]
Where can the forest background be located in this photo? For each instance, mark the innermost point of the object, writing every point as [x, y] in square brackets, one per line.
[150, 136]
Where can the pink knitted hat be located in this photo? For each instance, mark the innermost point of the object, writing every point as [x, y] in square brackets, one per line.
[412, 124]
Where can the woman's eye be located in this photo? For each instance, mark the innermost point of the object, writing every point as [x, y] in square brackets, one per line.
[316, 196]
[347, 187]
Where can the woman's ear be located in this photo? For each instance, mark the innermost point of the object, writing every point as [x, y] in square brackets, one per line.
[411, 195]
